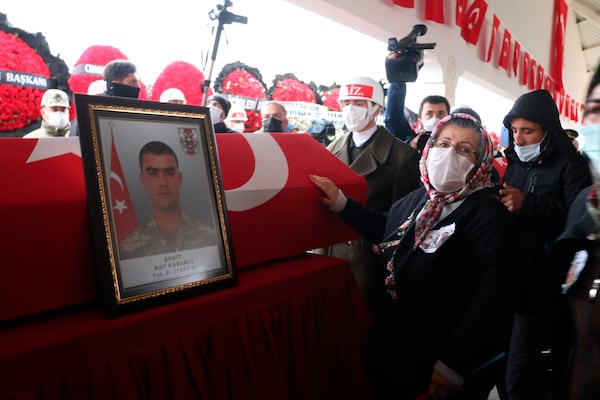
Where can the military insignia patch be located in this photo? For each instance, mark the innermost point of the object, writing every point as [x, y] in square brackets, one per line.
[188, 137]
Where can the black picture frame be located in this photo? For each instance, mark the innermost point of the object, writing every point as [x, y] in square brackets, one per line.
[145, 254]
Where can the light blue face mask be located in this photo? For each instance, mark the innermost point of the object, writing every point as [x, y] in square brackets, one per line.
[591, 146]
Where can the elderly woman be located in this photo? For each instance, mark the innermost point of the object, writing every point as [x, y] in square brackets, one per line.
[449, 271]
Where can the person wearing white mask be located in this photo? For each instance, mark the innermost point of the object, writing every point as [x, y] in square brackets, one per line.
[55, 115]
[236, 120]
[543, 176]
[577, 254]
[449, 267]
[219, 108]
[390, 167]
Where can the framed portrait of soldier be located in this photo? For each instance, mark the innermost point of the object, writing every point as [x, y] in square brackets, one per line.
[156, 201]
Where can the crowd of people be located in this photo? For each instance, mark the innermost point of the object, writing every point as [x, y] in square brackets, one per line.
[479, 266]
[484, 275]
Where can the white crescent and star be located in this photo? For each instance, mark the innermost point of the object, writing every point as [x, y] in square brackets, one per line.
[120, 205]
[270, 175]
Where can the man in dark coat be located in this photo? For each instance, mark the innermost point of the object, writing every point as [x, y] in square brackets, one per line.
[544, 175]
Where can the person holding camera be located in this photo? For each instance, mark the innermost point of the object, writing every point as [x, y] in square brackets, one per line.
[390, 167]
[402, 64]
[431, 110]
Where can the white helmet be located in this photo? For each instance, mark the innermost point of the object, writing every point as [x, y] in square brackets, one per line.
[237, 113]
[362, 88]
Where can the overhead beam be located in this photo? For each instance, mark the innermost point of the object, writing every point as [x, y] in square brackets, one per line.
[585, 11]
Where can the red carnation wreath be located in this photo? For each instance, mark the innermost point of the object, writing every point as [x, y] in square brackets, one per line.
[241, 80]
[88, 68]
[28, 70]
[287, 87]
[329, 97]
[183, 76]
[90, 65]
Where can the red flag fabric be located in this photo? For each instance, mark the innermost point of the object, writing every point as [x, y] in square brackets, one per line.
[405, 3]
[473, 20]
[567, 106]
[525, 68]
[539, 83]
[558, 41]
[461, 8]
[505, 51]
[548, 83]
[434, 10]
[573, 110]
[125, 220]
[532, 74]
[516, 56]
[495, 27]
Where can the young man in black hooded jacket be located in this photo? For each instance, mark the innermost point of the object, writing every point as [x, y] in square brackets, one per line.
[544, 175]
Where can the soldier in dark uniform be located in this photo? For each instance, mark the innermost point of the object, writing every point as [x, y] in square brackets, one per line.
[169, 229]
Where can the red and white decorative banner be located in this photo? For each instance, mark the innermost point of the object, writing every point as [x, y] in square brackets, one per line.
[520, 64]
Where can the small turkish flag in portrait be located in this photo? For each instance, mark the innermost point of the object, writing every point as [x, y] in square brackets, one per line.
[473, 20]
[123, 213]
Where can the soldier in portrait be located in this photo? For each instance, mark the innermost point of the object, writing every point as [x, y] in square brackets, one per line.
[169, 229]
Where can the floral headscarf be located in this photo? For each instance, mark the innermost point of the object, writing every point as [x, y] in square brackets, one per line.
[431, 211]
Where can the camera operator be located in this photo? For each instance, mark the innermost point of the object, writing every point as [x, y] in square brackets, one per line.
[432, 109]
[404, 60]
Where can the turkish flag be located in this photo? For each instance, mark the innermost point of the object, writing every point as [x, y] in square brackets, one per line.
[505, 51]
[525, 68]
[539, 83]
[473, 20]
[46, 246]
[123, 213]
[548, 83]
[405, 3]
[434, 10]
[495, 27]
[461, 6]
[532, 74]
[516, 56]
[567, 106]
[272, 206]
[573, 110]
[558, 41]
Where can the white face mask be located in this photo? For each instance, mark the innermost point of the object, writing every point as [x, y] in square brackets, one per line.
[429, 124]
[238, 127]
[355, 117]
[215, 114]
[528, 152]
[591, 147]
[447, 169]
[58, 119]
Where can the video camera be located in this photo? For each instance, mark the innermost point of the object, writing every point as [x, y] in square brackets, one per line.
[405, 67]
[224, 16]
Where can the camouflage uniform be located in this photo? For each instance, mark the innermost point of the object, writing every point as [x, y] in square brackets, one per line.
[46, 131]
[148, 241]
